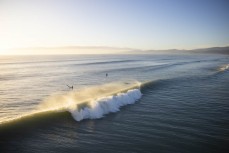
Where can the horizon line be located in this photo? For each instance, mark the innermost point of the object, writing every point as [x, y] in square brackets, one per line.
[110, 47]
[95, 50]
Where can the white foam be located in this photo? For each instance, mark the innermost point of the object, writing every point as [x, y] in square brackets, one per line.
[99, 107]
[224, 67]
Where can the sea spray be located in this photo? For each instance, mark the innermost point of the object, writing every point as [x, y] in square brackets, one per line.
[99, 107]
[86, 94]
[95, 101]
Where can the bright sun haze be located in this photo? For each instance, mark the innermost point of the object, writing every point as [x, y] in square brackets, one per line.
[118, 24]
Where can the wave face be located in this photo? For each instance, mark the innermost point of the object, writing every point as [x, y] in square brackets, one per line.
[95, 101]
[98, 108]
[87, 103]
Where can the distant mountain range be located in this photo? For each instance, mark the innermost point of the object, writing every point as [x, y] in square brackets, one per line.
[212, 50]
[218, 50]
[112, 50]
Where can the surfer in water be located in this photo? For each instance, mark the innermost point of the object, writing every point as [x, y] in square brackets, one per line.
[106, 74]
[70, 87]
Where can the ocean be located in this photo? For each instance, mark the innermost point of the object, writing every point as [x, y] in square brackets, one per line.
[150, 103]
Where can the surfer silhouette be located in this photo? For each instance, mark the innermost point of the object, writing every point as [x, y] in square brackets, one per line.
[106, 74]
[70, 87]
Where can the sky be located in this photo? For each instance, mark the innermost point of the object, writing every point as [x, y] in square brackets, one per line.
[138, 24]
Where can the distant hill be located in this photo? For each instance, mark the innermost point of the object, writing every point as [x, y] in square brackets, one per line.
[111, 50]
[213, 50]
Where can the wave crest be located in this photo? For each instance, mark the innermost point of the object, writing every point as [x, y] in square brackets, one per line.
[223, 67]
[98, 108]
[91, 102]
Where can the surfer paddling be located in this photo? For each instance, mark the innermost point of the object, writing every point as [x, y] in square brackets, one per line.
[70, 87]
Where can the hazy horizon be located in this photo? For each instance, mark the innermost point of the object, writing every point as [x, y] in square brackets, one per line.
[62, 50]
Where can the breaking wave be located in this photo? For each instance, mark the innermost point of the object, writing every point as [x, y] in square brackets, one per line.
[88, 103]
[97, 108]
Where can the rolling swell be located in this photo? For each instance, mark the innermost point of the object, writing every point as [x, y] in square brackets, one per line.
[94, 108]
[108, 62]
[147, 68]
[31, 122]
[86, 109]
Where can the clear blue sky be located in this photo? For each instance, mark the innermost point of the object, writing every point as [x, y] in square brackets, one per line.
[143, 24]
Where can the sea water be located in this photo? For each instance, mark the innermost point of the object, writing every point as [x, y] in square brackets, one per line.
[146, 103]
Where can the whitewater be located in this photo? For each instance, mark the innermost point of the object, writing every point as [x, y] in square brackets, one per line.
[97, 108]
